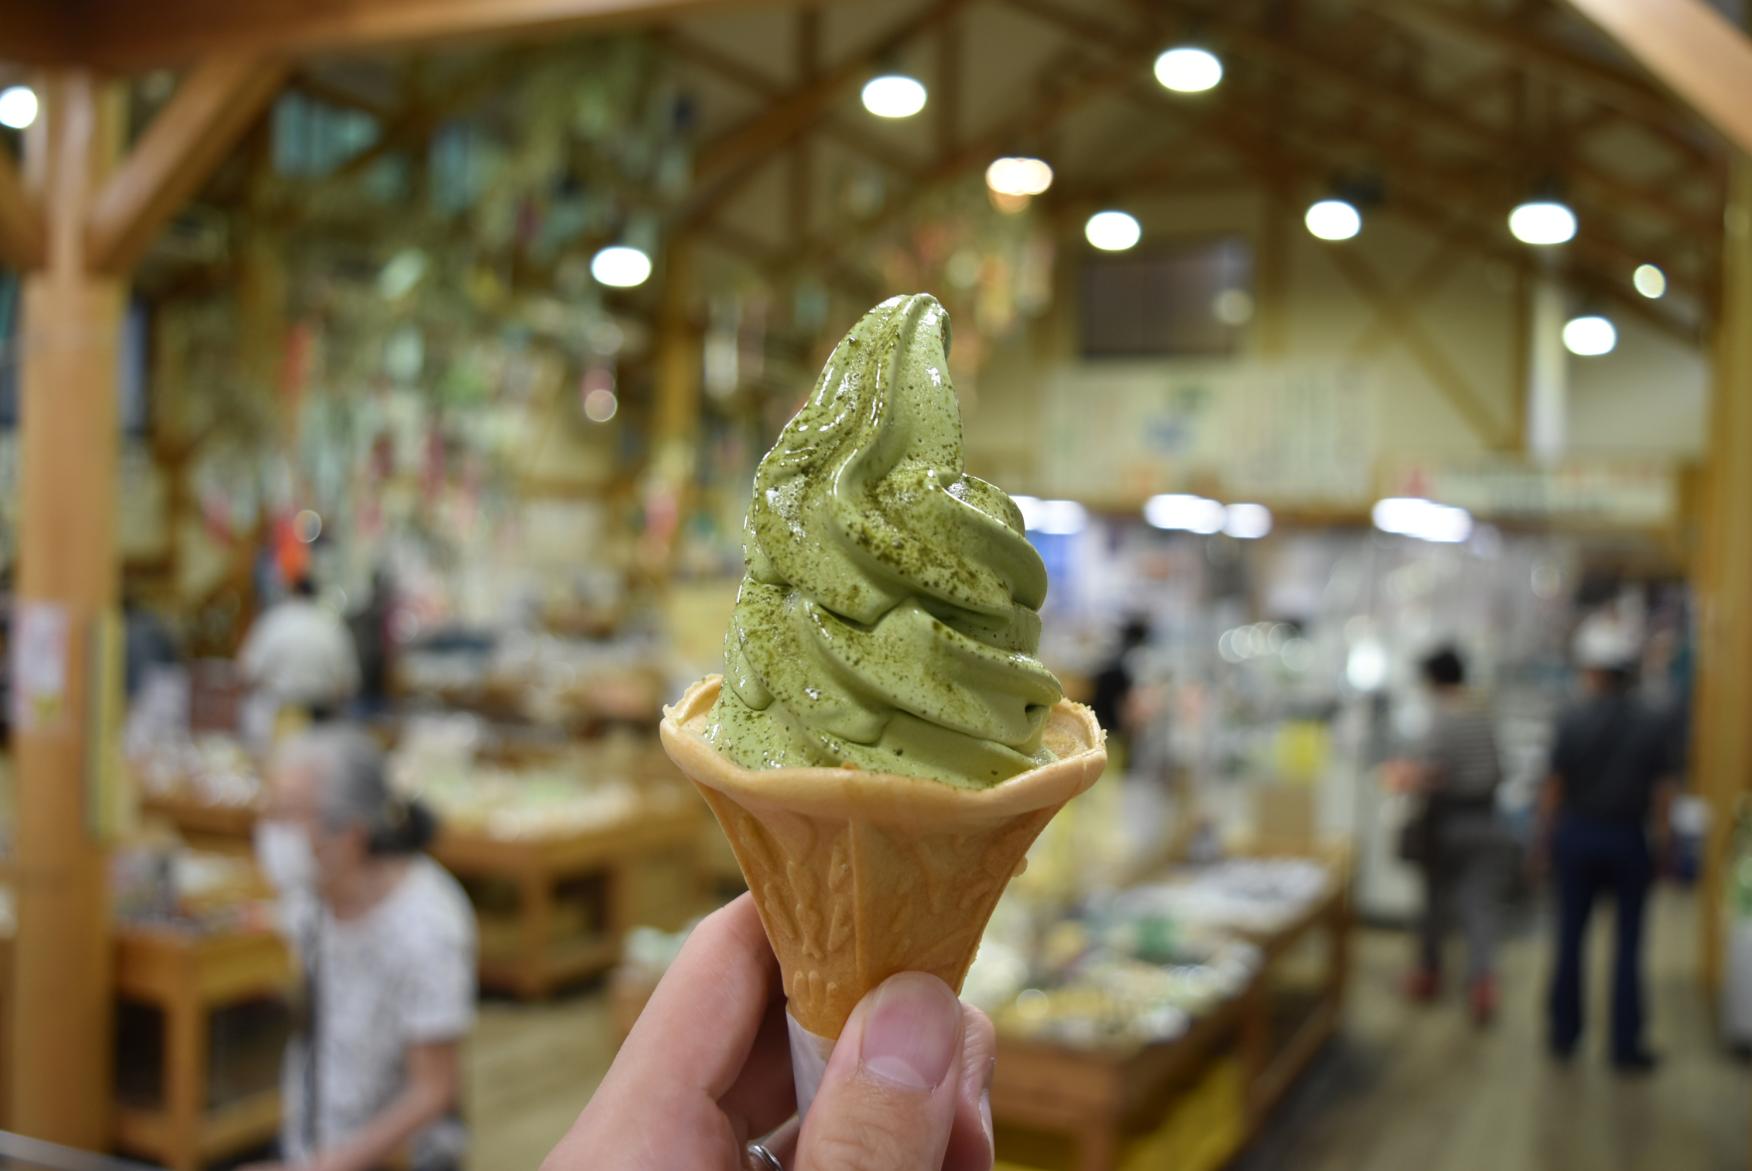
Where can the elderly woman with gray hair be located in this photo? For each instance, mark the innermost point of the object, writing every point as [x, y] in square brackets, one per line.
[387, 941]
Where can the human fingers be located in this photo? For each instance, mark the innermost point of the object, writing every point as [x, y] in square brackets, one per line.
[888, 1099]
[763, 1095]
[701, 1022]
[970, 1135]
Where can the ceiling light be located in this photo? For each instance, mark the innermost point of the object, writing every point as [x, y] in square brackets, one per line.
[1186, 69]
[1018, 176]
[1589, 335]
[18, 106]
[1112, 231]
[620, 266]
[1543, 222]
[1649, 280]
[1181, 512]
[1057, 518]
[1333, 219]
[1413, 516]
[894, 95]
[1247, 522]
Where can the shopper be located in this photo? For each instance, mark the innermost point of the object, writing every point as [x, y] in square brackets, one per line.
[1608, 782]
[707, 1070]
[1453, 835]
[387, 943]
[373, 640]
[299, 661]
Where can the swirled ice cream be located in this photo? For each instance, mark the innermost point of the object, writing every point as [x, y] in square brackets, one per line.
[889, 616]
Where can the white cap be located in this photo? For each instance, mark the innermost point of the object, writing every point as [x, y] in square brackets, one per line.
[1604, 644]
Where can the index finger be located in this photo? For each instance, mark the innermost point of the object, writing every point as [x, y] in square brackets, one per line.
[702, 1020]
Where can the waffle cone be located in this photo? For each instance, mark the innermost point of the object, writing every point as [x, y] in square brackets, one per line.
[859, 875]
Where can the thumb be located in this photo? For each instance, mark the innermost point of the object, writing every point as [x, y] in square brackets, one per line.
[888, 1099]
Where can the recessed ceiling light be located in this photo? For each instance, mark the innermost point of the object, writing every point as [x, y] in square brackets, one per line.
[894, 95]
[1112, 231]
[1649, 280]
[620, 266]
[1188, 69]
[1543, 223]
[1589, 335]
[1333, 219]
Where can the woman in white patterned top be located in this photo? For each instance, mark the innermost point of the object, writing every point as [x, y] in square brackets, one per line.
[387, 941]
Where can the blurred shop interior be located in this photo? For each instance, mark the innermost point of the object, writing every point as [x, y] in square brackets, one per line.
[1311, 337]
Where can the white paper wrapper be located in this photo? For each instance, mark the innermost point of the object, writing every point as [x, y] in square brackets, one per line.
[809, 1054]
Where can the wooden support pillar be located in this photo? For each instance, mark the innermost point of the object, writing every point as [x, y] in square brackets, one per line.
[1723, 737]
[67, 578]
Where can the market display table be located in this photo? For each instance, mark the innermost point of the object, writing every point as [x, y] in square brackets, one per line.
[187, 978]
[638, 870]
[204, 825]
[1185, 1104]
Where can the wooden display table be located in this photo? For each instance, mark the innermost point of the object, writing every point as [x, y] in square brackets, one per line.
[187, 978]
[1188, 1104]
[645, 868]
[221, 829]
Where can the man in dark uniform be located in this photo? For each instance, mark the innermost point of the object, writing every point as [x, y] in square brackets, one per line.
[1607, 787]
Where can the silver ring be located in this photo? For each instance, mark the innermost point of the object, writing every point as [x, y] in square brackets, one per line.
[761, 1159]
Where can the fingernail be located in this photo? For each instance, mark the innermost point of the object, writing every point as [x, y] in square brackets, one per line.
[985, 1101]
[909, 1036]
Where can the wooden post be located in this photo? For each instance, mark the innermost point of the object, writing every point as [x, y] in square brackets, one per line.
[67, 576]
[1724, 739]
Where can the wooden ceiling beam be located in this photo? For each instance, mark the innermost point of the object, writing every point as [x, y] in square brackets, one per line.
[179, 149]
[1067, 92]
[714, 60]
[127, 36]
[1625, 91]
[1414, 108]
[1448, 379]
[797, 110]
[1694, 50]
[22, 231]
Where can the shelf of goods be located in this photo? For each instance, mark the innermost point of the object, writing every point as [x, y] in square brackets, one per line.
[556, 881]
[1190, 1102]
[198, 1081]
[1175, 1015]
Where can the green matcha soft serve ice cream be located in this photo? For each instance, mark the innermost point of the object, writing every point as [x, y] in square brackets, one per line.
[889, 616]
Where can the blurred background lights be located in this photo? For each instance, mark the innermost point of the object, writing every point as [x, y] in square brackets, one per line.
[1187, 69]
[1542, 223]
[1426, 520]
[620, 266]
[600, 404]
[1112, 231]
[894, 95]
[1649, 280]
[1181, 512]
[18, 106]
[1058, 518]
[1333, 219]
[1247, 522]
[1233, 306]
[307, 526]
[1589, 335]
[1018, 176]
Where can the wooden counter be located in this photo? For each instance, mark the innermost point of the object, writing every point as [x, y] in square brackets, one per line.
[1188, 1104]
[646, 867]
[188, 977]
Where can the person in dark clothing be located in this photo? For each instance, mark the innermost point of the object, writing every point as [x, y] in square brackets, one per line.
[372, 641]
[1456, 771]
[1609, 767]
[147, 643]
[1113, 683]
